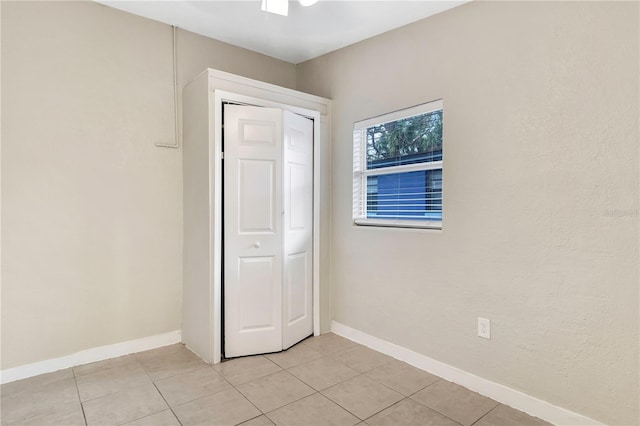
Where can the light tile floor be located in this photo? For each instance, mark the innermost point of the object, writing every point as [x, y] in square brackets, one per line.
[325, 380]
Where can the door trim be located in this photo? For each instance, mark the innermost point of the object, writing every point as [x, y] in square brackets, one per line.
[215, 170]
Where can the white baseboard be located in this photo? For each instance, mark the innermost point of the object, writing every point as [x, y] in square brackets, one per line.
[90, 355]
[493, 390]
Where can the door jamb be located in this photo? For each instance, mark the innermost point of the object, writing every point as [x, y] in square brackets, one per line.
[220, 96]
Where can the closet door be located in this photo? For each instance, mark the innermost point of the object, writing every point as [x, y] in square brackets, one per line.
[253, 230]
[298, 229]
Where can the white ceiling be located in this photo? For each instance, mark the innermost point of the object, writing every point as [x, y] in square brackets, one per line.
[306, 33]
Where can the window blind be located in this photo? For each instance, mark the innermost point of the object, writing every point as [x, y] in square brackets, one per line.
[397, 168]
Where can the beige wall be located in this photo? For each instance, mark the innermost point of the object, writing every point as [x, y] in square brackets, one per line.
[91, 209]
[541, 189]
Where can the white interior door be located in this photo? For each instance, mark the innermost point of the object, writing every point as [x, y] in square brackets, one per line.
[297, 289]
[268, 229]
[252, 230]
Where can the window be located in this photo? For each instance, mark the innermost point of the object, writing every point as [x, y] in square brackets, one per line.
[397, 168]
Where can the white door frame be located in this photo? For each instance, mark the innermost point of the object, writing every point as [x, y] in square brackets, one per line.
[220, 96]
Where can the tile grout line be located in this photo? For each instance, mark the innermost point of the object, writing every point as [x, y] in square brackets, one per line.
[262, 413]
[253, 418]
[113, 392]
[289, 403]
[252, 380]
[300, 363]
[164, 355]
[345, 408]
[179, 374]
[335, 402]
[443, 414]
[231, 386]
[417, 402]
[296, 400]
[166, 402]
[406, 396]
[206, 396]
[386, 408]
[436, 411]
[332, 357]
[486, 414]
[421, 389]
[325, 388]
[316, 393]
[75, 380]
[397, 402]
[146, 373]
[234, 387]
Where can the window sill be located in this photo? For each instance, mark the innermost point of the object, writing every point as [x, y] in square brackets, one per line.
[394, 223]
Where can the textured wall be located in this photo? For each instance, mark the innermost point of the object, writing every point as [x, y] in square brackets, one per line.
[541, 189]
[91, 209]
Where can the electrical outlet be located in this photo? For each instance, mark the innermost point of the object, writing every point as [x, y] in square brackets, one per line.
[484, 328]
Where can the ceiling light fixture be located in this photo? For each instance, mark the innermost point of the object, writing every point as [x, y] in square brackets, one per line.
[279, 7]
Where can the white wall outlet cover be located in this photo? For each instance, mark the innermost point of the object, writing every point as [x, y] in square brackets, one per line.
[484, 328]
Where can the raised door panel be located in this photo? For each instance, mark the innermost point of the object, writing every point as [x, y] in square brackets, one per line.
[256, 196]
[257, 291]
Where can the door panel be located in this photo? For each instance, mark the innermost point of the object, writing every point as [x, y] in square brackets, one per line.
[297, 294]
[256, 293]
[256, 132]
[298, 228]
[252, 230]
[256, 196]
[297, 197]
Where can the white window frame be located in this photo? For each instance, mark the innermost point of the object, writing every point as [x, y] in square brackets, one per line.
[360, 172]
